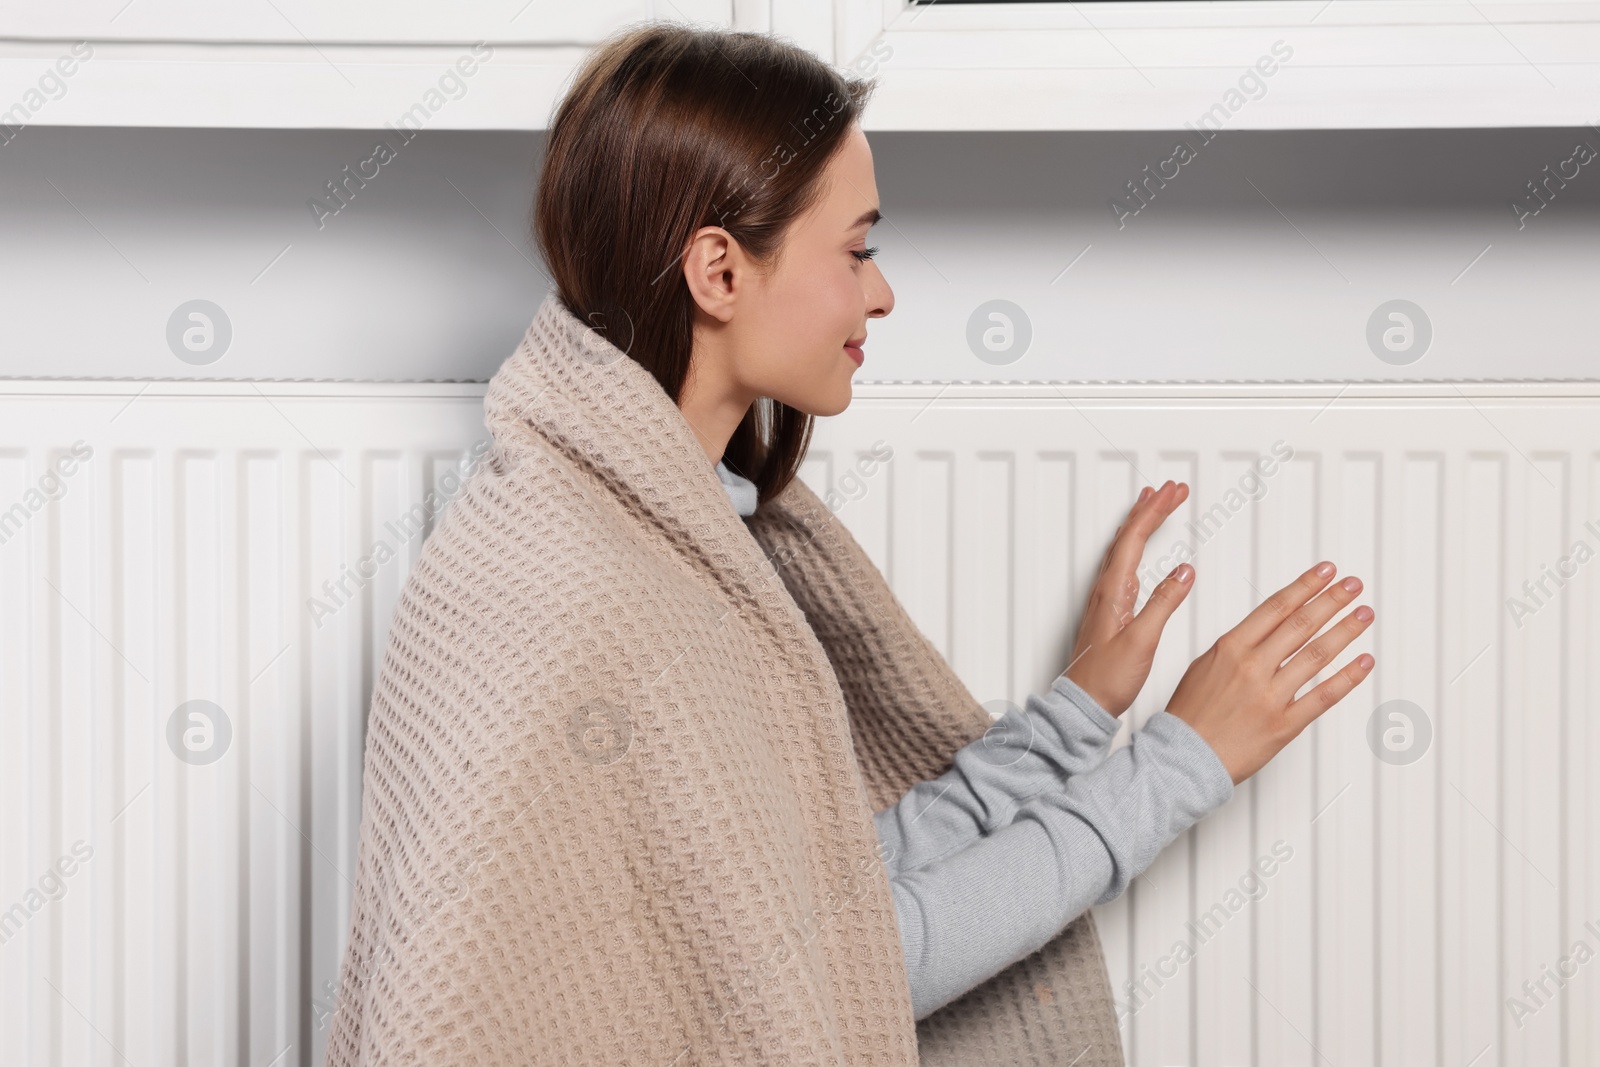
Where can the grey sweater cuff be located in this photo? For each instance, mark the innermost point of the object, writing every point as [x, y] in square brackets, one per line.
[1098, 717]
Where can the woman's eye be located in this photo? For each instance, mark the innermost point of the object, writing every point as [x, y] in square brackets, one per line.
[862, 257]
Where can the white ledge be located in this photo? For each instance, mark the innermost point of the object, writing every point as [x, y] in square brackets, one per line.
[869, 390]
[1134, 65]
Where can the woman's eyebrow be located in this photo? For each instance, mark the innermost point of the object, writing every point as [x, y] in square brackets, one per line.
[868, 218]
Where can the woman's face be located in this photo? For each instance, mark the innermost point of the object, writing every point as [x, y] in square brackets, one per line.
[789, 334]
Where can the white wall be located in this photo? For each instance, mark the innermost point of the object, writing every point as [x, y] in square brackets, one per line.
[1263, 258]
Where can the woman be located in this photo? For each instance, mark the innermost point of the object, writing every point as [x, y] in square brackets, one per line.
[658, 770]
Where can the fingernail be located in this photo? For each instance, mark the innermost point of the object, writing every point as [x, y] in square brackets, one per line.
[1363, 613]
[1181, 574]
[1365, 660]
[1351, 584]
[1324, 569]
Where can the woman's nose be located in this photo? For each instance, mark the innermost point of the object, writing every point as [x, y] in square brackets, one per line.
[880, 298]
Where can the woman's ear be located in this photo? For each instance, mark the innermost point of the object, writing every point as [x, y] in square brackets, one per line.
[713, 268]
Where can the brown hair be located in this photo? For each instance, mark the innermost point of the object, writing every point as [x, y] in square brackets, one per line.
[667, 129]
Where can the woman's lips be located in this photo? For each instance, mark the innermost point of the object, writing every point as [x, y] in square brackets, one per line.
[855, 353]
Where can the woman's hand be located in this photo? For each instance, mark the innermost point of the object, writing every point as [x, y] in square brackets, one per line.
[1239, 695]
[1112, 656]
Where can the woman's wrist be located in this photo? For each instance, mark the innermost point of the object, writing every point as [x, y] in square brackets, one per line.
[1093, 691]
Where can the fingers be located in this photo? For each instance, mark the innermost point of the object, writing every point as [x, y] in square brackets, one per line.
[1116, 589]
[1303, 623]
[1270, 613]
[1164, 600]
[1133, 513]
[1319, 653]
[1305, 710]
[1127, 548]
[1139, 507]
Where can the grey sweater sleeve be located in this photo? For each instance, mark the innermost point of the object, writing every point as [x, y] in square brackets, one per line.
[1029, 749]
[967, 915]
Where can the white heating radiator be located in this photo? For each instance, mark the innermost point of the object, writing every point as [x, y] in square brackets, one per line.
[1420, 909]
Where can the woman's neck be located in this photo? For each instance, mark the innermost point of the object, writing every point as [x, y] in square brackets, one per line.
[713, 410]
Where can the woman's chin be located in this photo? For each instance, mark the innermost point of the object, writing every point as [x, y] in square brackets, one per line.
[841, 403]
[822, 406]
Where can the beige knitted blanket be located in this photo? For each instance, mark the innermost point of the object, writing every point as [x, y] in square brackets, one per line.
[621, 765]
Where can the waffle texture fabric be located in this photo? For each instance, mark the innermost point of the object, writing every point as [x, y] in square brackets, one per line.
[1031, 826]
[621, 765]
